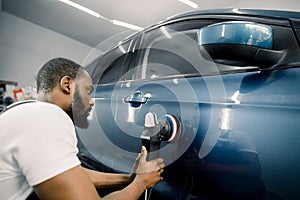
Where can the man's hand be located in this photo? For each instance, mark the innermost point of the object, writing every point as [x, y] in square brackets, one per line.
[148, 171]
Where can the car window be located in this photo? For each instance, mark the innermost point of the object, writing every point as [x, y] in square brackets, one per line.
[113, 72]
[173, 50]
[111, 65]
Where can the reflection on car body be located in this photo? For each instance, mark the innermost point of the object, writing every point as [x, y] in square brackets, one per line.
[231, 78]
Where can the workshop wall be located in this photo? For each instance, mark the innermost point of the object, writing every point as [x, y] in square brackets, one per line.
[25, 47]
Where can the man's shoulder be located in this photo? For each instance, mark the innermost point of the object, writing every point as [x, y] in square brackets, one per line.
[30, 104]
[34, 109]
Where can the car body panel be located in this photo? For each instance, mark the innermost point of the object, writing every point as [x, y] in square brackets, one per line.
[239, 127]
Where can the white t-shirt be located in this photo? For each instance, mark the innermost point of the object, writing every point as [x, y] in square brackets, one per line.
[37, 142]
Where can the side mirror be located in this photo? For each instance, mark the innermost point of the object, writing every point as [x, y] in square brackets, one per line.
[239, 43]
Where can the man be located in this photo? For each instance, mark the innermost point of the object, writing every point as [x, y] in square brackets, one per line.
[38, 143]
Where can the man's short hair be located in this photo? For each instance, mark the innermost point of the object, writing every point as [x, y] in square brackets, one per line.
[51, 73]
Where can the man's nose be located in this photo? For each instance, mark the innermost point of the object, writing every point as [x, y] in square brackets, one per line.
[92, 103]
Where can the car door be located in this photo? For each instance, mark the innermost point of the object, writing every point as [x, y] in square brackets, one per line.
[178, 80]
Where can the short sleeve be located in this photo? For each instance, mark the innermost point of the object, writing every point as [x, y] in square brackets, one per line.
[47, 145]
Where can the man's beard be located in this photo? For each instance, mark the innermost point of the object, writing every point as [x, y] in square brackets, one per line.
[77, 113]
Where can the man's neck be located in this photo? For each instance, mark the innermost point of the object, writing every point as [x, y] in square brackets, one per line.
[56, 97]
[44, 97]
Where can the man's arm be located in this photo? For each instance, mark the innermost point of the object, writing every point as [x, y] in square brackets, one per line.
[147, 175]
[135, 189]
[75, 184]
[108, 180]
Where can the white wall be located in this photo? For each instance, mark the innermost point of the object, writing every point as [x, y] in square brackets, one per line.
[25, 47]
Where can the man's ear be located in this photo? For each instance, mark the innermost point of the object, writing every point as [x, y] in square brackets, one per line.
[65, 84]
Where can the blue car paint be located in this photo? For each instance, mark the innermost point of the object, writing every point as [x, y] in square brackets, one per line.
[240, 132]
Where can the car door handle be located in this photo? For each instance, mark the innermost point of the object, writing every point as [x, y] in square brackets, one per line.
[136, 99]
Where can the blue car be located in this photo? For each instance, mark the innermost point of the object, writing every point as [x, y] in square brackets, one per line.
[215, 93]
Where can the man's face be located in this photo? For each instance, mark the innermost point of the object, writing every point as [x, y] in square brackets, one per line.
[82, 102]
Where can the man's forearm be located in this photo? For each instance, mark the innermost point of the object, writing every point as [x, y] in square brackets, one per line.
[108, 180]
[132, 192]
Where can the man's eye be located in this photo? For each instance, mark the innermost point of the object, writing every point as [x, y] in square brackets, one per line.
[90, 92]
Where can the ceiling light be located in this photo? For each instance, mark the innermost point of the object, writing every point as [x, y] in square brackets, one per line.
[95, 14]
[82, 8]
[124, 24]
[189, 3]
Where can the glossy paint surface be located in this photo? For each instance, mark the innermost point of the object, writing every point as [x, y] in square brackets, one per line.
[239, 135]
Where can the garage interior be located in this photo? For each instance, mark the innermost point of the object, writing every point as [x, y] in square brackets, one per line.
[34, 31]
